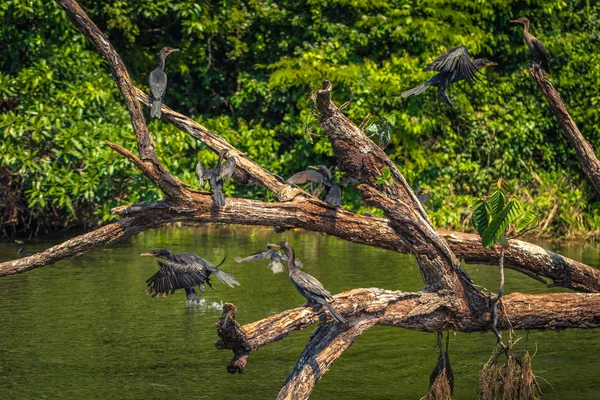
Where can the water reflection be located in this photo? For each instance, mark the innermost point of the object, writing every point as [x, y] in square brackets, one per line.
[85, 328]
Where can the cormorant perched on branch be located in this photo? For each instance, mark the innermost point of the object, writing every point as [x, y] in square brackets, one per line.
[184, 271]
[536, 48]
[454, 66]
[272, 253]
[20, 253]
[307, 285]
[158, 82]
[215, 176]
[321, 174]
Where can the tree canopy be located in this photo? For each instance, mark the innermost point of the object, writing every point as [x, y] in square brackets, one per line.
[245, 71]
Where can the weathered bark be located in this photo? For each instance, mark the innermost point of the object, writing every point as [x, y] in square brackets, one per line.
[326, 345]
[585, 152]
[422, 311]
[362, 159]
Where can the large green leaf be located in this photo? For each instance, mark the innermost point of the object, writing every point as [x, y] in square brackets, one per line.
[497, 202]
[481, 216]
[529, 220]
[500, 222]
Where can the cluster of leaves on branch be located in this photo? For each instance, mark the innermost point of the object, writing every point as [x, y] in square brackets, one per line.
[245, 71]
[495, 214]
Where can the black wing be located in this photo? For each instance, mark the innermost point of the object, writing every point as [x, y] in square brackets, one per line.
[302, 177]
[200, 173]
[456, 60]
[172, 276]
[226, 169]
[199, 262]
[542, 54]
[334, 196]
[310, 284]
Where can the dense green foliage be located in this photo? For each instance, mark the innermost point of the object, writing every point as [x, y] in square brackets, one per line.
[246, 70]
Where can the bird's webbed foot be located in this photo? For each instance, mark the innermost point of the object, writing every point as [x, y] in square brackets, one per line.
[191, 296]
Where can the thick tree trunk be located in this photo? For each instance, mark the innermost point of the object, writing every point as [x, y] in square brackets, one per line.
[585, 152]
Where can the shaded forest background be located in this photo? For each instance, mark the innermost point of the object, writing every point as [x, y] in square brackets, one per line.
[245, 71]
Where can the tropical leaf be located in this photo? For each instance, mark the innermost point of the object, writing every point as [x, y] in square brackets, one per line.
[500, 222]
[497, 201]
[481, 216]
[529, 220]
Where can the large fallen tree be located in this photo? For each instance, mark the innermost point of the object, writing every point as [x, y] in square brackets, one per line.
[449, 300]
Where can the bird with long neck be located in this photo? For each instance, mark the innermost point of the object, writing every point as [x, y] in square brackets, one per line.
[537, 50]
[453, 66]
[307, 285]
[158, 82]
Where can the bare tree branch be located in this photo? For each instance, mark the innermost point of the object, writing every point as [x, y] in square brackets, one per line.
[585, 152]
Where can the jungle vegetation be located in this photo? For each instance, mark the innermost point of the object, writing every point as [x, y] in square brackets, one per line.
[246, 70]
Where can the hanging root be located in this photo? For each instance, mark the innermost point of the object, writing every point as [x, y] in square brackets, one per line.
[514, 380]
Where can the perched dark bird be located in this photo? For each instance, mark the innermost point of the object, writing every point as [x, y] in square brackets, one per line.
[158, 82]
[536, 48]
[274, 255]
[321, 174]
[454, 66]
[423, 195]
[307, 285]
[21, 247]
[215, 176]
[184, 271]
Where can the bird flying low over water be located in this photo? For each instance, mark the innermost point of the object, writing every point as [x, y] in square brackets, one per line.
[536, 48]
[274, 255]
[215, 176]
[307, 285]
[158, 82]
[453, 66]
[321, 174]
[184, 271]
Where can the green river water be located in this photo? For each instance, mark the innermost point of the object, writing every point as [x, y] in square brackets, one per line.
[85, 329]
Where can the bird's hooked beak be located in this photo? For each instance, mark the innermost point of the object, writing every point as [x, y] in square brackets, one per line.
[491, 64]
[147, 255]
[273, 246]
[173, 51]
[313, 167]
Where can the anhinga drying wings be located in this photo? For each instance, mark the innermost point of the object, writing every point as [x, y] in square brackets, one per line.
[274, 255]
[536, 48]
[158, 82]
[184, 271]
[307, 285]
[215, 176]
[453, 66]
[321, 174]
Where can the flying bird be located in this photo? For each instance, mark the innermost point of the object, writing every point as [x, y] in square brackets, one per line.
[307, 285]
[274, 255]
[321, 174]
[453, 66]
[184, 271]
[215, 176]
[537, 50]
[158, 82]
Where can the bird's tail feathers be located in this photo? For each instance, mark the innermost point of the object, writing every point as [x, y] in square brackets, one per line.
[416, 90]
[335, 314]
[218, 198]
[155, 110]
[227, 278]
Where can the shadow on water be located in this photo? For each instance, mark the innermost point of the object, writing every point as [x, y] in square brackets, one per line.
[85, 328]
